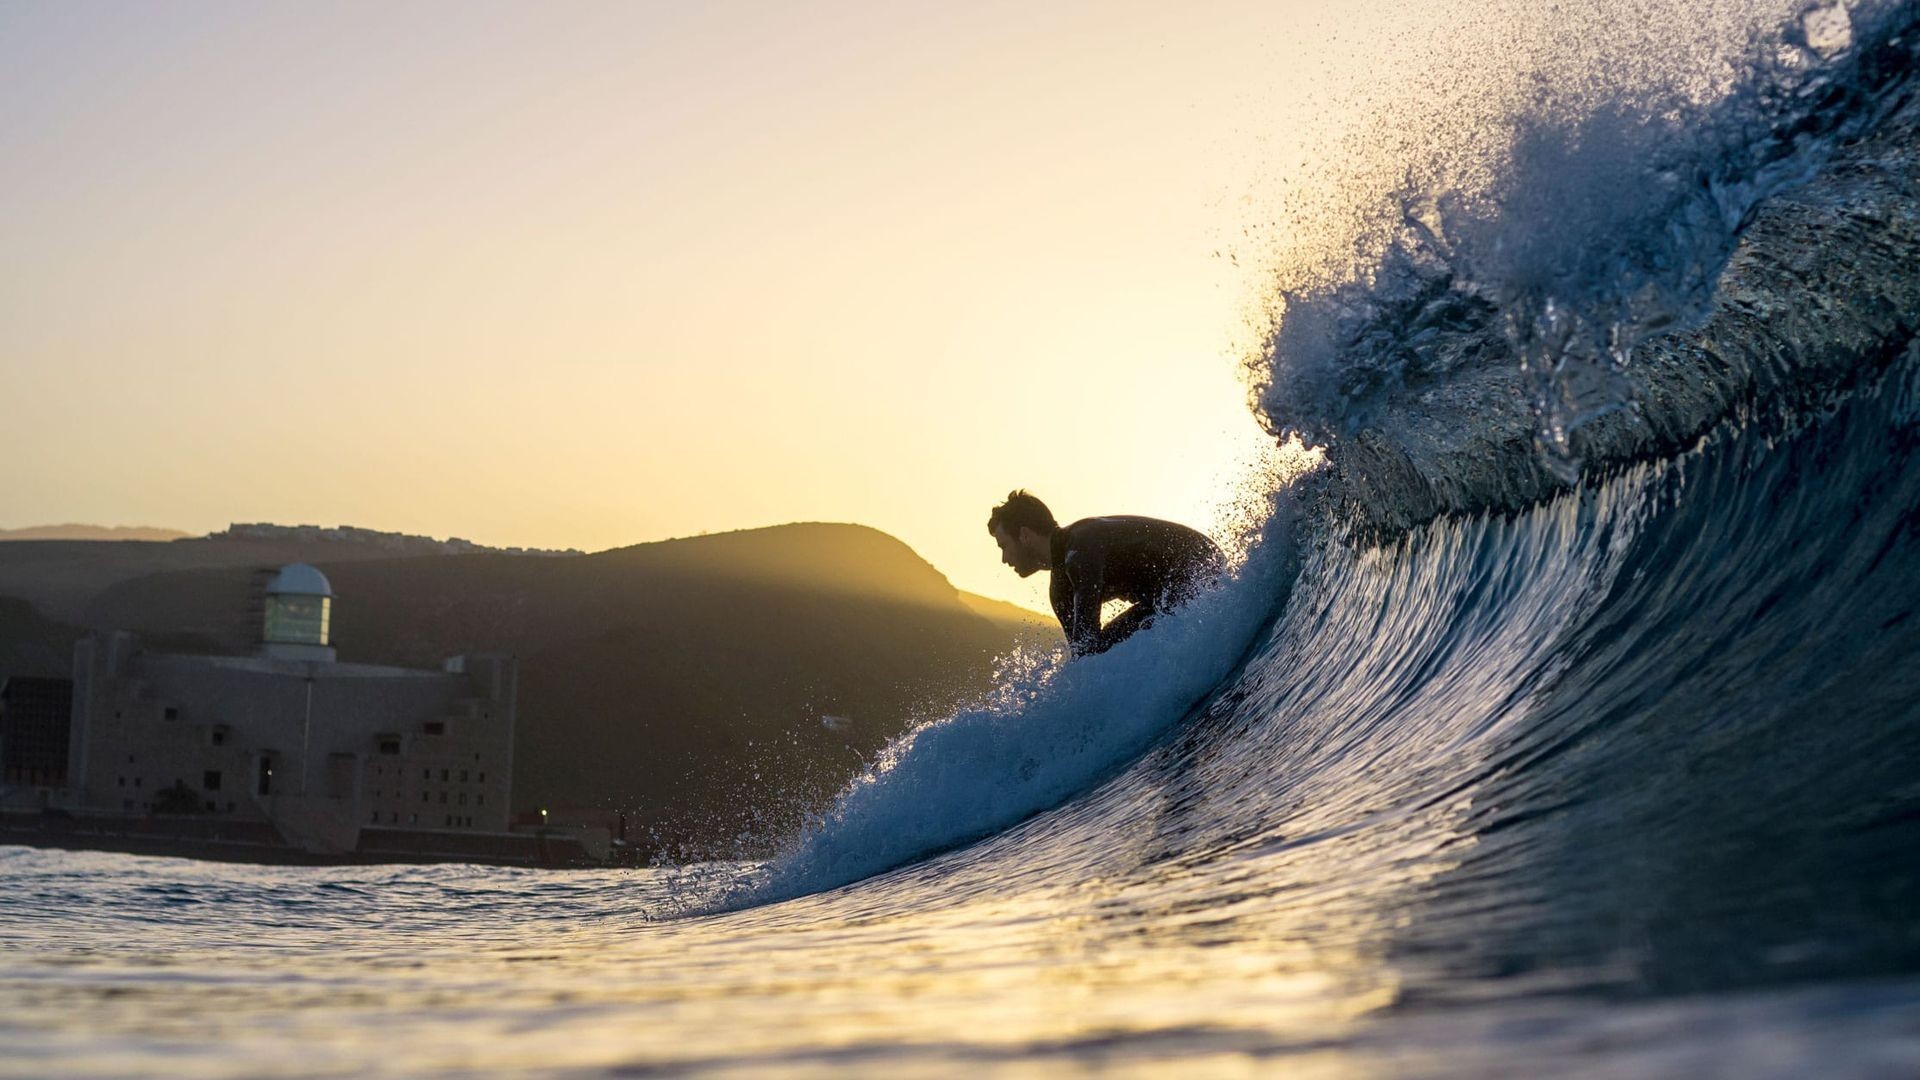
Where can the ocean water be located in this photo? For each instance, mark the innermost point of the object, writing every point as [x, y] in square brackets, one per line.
[1566, 721]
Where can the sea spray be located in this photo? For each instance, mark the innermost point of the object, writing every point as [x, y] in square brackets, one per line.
[1559, 231]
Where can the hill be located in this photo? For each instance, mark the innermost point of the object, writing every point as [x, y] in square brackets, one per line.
[62, 577]
[31, 644]
[712, 685]
[1011, 615]
[92, 532]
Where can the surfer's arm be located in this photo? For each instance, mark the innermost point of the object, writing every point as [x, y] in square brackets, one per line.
[1081, 621]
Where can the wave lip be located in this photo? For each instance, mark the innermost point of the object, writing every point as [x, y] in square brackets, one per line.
[1816, 295]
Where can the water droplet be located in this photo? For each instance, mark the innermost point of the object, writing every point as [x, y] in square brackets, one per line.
[1828, 30]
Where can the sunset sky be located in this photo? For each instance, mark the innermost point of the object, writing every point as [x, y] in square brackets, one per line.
[589, 275]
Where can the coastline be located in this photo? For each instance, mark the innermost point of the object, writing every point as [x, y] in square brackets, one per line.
[258, 843]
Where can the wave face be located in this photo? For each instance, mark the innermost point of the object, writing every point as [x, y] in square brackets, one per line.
[1565, 722]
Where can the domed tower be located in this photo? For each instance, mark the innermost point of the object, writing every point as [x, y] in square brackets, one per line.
[299, 611]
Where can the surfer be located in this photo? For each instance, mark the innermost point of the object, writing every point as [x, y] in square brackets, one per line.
[1154, 565]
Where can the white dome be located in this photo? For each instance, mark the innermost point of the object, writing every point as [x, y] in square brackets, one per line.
[299, 579]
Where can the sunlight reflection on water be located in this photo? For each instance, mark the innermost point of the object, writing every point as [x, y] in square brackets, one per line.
[1222, 971]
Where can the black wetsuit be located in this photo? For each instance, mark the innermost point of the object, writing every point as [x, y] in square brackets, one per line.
[1155, 565]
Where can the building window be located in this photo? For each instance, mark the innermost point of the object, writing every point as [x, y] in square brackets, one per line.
[463, 776]
[483, 778]
[426, 774]
[170, 713]
[443, 798]
[393, 818]
[413, 819]
[434, 727]
[443, 776]
[219, 734]
[266, 777]
[211, 781]
[298, 620]
[136, 781]
[120, 781]
[424, 797]
[479, 800]
[463, 798]
[126, 804]
[390, 746]
[376, 818]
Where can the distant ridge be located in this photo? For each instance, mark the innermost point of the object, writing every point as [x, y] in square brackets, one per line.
[61, 576]
[1003, 612]
[93, 532]
[396, 542]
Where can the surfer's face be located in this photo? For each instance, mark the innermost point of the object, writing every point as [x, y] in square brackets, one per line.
[1017, 549]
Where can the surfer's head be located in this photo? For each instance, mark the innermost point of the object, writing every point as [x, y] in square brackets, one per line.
[1023, 527]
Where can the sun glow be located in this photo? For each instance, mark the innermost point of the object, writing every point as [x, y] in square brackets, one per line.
[635, 273]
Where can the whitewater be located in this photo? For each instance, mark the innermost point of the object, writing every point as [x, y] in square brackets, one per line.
[1564, 719]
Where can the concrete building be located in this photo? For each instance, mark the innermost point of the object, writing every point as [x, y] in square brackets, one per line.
[36, 716]
[324, 751]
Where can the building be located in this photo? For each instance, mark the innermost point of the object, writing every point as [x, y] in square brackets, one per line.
[36, 716]
[326, 752]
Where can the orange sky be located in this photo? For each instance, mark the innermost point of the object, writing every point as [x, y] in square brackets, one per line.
[595, 274]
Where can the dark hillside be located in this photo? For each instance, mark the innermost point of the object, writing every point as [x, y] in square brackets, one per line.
[31, 644]
[62, 578]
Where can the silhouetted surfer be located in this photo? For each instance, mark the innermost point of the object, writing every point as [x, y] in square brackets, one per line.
[1154, 565]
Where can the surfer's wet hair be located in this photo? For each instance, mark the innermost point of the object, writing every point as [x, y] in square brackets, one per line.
[1022, 509]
